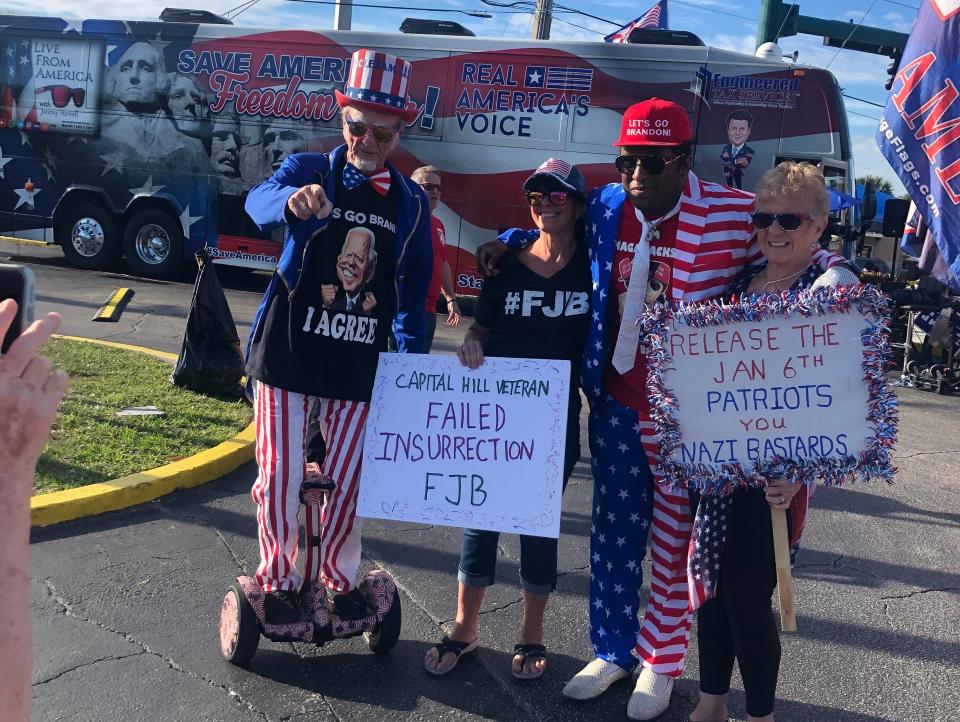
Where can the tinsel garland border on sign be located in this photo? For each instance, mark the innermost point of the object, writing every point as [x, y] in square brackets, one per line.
[875, 462]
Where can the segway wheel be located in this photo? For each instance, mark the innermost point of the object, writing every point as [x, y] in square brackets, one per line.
[913, 368]
[938, 371]
[385, 635]
[239, 629]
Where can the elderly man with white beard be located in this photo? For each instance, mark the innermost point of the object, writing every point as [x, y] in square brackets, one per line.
[350, 216]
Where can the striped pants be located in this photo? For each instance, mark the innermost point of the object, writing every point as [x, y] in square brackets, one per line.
[332, 531]
[627, 507]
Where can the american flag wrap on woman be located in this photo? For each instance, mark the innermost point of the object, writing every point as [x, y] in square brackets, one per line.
[714, 241]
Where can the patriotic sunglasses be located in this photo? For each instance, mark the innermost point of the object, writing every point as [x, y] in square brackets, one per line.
[652, 164]
[557, 198]
[430, 187]
[787, 221]
[62, 94]
[380, 134]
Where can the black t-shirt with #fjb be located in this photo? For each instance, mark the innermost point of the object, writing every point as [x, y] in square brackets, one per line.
[325, 339]
[529, 316]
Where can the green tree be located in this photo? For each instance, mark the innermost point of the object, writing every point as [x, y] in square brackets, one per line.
[880, 183]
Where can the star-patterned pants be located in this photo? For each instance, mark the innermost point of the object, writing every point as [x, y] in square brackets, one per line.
[622, 510]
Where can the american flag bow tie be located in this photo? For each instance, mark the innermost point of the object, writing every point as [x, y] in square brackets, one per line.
[353, 178]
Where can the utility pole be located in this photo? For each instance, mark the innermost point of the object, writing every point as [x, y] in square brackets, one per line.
[343, 14]
[542, 15]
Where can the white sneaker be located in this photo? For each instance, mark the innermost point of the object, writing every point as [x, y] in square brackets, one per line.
[651, 696]
[593, 680]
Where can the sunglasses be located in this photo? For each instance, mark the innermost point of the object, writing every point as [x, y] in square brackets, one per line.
[63, 94]
[557, 198]
[787, 221]
[430, 187]
[380, 134]
[652, 164]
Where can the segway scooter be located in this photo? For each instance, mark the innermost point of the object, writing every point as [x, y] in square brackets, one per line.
[242, 619]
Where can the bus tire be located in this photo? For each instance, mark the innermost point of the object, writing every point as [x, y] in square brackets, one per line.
[88, 236]
[153, 244]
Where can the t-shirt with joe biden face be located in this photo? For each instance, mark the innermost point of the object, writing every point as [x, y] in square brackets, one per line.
[325, 339]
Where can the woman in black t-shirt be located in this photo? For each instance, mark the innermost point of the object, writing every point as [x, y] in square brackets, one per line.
[537, 306]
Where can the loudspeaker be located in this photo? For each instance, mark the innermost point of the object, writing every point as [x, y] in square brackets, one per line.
[895, 216]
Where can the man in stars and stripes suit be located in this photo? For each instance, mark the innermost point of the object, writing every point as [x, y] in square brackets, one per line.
[358, 228]
[693, 237]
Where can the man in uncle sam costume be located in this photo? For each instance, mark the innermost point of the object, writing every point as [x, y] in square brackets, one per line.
[677, 239]
[355, 228]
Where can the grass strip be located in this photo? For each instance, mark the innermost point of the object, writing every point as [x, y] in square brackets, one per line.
[89, 443]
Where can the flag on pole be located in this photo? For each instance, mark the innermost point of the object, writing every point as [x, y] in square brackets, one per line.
[655, 18]
[919, 134]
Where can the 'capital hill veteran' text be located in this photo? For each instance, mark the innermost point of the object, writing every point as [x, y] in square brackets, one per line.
[461, 430]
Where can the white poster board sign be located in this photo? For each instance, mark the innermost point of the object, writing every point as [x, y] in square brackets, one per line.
[751, 391]
[772, 386]
[481, 449]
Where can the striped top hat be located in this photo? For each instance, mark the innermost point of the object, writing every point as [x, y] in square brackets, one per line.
[378, 81]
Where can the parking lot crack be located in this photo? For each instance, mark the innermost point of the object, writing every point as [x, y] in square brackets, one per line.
[109, 658]
[241, 563]
[68, 609]
[915, 454]
[501, 607]
[916, 592]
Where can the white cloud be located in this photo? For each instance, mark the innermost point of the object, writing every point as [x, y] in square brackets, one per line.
[737, 43]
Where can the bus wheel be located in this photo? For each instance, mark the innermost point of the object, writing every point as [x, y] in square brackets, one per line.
[153, 244]
[88, 236]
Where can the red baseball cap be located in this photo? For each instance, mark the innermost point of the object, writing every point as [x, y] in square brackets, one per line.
[654, 122]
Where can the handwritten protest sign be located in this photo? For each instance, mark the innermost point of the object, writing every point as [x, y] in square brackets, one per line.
[482, 449]
[772, 386]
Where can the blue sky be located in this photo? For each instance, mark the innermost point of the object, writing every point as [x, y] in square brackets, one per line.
[860, 74]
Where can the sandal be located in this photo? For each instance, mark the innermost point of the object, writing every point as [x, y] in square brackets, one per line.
[451, 645]
[527, 652]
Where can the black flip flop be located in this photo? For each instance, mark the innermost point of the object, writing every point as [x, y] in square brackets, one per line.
[451, 645]
[527, 652]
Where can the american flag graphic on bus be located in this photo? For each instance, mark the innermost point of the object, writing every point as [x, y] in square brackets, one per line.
[16, 71]
[559, 78]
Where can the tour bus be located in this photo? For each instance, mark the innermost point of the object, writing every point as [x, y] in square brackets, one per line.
[141, 139]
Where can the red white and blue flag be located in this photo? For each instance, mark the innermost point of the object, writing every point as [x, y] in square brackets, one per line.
[919, 134]
[655, 18]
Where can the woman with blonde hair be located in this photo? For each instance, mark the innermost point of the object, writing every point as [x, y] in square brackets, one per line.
[737, 623]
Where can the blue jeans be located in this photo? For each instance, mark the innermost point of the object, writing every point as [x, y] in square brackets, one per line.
[538, 555]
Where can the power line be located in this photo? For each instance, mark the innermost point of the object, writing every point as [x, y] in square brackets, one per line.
[868, 102]
[784, 21]
[245, 6]
[472, 13]
[581, 27]
[714, 10]
[863, 115]
[844, 43]
[895, 2]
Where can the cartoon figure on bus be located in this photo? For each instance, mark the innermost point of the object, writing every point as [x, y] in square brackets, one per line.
[737, 155]
[356, 265]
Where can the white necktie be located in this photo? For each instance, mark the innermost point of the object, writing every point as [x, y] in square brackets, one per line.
[628, 335]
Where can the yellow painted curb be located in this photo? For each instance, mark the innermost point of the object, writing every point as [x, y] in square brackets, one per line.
[144, 486]
[111, 310]
[24, 241]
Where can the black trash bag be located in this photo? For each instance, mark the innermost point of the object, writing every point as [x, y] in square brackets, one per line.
[210, 360]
